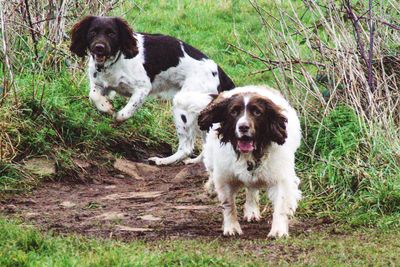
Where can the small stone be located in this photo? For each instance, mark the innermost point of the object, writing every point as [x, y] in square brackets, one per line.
[31, 214]
[149, 217]
[112, 215]
[10, 208]
[68, 204]
[41, 166]
[110, 186]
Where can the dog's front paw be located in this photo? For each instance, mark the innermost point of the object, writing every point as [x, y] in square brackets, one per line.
[252, 214]
[105, 107]
[210, 188]
[120, 116]
[277, 232]
[233, 228]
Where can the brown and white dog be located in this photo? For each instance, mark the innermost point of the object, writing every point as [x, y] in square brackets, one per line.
[253, 138]
[136, 65]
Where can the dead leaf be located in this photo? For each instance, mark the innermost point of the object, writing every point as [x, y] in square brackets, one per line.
[81, 163]
[192, 207]
[134, 169]
[112, 215]
[132, 229]
[134, 195]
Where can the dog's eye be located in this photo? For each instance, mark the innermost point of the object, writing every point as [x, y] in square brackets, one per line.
[234, 112]
[256, 112]
[92, 33]
[111, 34]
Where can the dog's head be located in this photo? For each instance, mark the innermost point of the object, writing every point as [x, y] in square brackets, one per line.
[103, 37]
[248, 121]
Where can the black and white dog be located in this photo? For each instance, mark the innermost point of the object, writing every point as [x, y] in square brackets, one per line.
[140, 64]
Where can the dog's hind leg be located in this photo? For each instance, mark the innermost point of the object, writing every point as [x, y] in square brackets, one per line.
[185, 128]
[187, 106]
[199, 158]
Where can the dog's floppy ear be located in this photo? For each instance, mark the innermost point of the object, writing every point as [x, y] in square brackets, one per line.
[213, 113]
[274, 121]
[79, 36]
[128, 42]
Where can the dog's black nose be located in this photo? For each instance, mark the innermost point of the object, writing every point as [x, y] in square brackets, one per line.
[244, 128]
[99, 49]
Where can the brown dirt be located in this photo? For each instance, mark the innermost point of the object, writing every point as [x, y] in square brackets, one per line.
[160, 202]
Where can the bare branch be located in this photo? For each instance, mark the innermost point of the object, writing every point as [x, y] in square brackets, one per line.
[31, 29]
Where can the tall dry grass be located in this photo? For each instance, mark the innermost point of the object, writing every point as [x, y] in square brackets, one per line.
[324, 53]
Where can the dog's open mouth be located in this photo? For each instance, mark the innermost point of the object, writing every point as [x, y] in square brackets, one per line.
[245, 144]
[100, 59]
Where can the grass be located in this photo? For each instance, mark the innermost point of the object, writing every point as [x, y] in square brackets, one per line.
[349, 166]
[22, 245]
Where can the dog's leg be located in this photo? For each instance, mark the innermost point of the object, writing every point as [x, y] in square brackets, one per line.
[99, 100]
[251, 207]
[135, 101]
[284, 196]
[111, 95]
[226, 194]
[209, 187]
[199, 158]
[185, 129]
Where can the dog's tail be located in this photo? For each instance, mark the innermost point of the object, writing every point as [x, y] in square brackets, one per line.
[225, 83]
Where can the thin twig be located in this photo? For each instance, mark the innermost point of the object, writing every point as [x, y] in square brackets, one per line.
[31, 27]
[371, 48]
[276, 62]
[354, 19]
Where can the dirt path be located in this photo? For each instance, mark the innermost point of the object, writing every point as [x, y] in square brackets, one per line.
[134, 200]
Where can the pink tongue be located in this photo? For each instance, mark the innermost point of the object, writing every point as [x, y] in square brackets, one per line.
[245, 146]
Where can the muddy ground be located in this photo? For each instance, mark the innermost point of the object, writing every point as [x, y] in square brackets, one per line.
[130, 199]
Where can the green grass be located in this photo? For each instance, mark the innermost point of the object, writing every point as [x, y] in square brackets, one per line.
[22, 245]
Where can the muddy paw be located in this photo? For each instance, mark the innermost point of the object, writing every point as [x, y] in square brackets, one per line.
[278, 233]
[105, 107]
[209, 188]
[232, 229]
[252, 215]
[120, 117]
